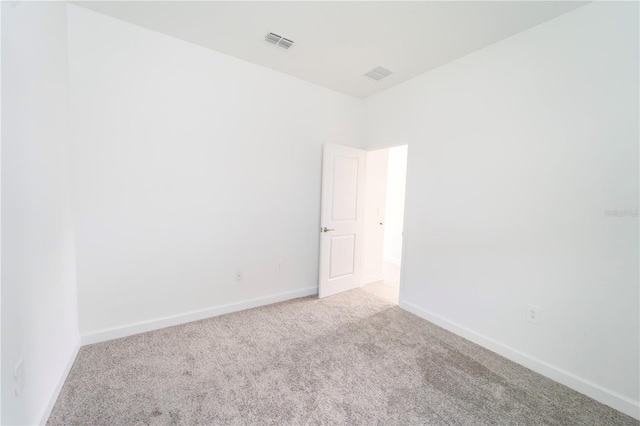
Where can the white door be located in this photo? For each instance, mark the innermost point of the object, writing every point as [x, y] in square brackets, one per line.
[341, 219]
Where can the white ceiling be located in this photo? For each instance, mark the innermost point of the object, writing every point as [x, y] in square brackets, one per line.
[337, 42]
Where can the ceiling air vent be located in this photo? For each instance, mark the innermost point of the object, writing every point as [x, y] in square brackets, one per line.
[272, 38]
[378, 73]
[286, 43]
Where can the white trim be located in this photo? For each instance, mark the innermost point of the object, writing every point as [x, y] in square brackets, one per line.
[599, 393]
[63, 377]
[372, 278]
[111, 333]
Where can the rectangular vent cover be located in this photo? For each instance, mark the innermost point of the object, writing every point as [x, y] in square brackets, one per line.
[378, 73]
[286, 43]
[280, 41]
[272, 38]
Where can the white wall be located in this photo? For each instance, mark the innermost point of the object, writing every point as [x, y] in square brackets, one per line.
[394, 212]
[189, 165]
[516, 151]
[39, 305]
[0, 215]
[375, 196]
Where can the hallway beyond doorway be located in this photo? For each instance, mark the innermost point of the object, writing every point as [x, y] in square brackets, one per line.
[386, 290]
[385, 181]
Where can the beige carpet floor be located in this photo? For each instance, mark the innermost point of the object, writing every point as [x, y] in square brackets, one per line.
[349, 359]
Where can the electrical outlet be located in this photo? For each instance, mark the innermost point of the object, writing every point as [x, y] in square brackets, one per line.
[278, 266]
[533, 314]
[239, 276]
[18, 377]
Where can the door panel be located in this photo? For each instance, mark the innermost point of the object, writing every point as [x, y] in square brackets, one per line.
[341, 219]
[344, 196]
[342, 256]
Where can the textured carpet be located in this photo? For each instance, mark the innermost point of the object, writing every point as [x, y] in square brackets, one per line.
[348, 359]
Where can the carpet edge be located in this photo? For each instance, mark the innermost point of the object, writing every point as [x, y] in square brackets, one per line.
[44, 416]
[126, 330]
[601, 394]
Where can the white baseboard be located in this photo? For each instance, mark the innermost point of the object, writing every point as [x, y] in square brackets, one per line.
[599, 393]
[142, 327]
[372, 278]
[63, 377]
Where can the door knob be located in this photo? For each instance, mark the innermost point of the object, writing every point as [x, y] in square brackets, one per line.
[325, 229]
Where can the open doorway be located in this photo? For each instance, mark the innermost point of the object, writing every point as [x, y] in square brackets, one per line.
[385, 183]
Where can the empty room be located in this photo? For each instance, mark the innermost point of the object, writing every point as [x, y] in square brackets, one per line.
[337, 213]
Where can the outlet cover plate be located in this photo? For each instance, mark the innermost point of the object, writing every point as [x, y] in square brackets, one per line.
[533, 314]
[18, 377]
